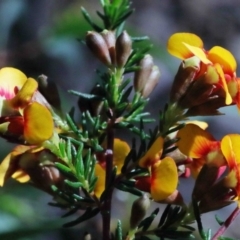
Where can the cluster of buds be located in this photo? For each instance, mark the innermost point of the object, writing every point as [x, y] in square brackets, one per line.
[115, 52]
[108, 49]
[147, 77]
[206, 80]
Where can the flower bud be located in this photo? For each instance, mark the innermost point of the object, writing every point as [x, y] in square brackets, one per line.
[139, 209]
[217, 197]
[98, 46]
[49, 91]
[141, 76]
[123, 48]
[184, 77]
[40, 166]
[110, 39]
[152, 82]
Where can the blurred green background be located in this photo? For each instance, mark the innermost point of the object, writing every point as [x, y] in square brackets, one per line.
[42, 37]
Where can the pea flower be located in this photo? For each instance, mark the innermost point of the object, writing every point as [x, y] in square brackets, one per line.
[120, 152]
[37, 165]
[201, 146]
[163, 178]
[206, 79]
[24, 113]
[231, 151]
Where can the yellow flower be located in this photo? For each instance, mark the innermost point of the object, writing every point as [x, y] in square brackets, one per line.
[163, 178]
[187, 45]
[120, 152]
[23, 116]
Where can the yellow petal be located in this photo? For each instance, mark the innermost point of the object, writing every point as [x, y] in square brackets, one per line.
[176, 47]
[153, 154]
[21, 176]
[228, 98]
[11, 78]
[25, 94]
[196, 51]
[38, 123]
[120, 152]
[223, 57]
[230, 149]
[100, 184]
[9, 165]
[203, 125]
[164, 179]
[194, 142]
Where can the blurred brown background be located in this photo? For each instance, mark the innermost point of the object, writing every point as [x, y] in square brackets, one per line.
[42, 37]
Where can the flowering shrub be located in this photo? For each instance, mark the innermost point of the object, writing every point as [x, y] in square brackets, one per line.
[81, 163]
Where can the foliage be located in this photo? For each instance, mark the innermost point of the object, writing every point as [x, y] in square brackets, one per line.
[81, 161]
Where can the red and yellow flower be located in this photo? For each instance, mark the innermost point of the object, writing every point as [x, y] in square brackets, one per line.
[217, 68]
[163, 175]
[120, 152]
[28, 163]
[23, 110]
[201, 146]
[230, 146]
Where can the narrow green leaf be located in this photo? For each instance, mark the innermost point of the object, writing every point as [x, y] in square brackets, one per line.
[69, 151]
[219, 221]
[79, 162]
[63, 168]
[88, 162]
[73, 184]
[140, 39]
[89, 213]
[89, 20]
[146, 223]
[69, 213]
[118, 231]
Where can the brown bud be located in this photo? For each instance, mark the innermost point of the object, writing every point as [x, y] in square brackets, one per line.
[184, 77]
[218, 196]
[123, 48]
[40, 166]
[49, 91]
[206, 178]
[151, 83]
[141, 76]
[139, 209]
[98, 46]
[110, 39]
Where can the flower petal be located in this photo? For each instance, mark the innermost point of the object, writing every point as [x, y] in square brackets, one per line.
[120, 152]
[228, 98]
[176, 47]
[21, 176]
[164, 179]
[25, 94]
[223, 57]
[10, 163]
[10, 79]
[194, 142]
[100, 184]
[38, 123]
[231, 150]
[198, 52]
[153, 154]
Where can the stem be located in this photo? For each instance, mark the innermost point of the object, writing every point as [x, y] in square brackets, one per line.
[226, 224]
[106, 207]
